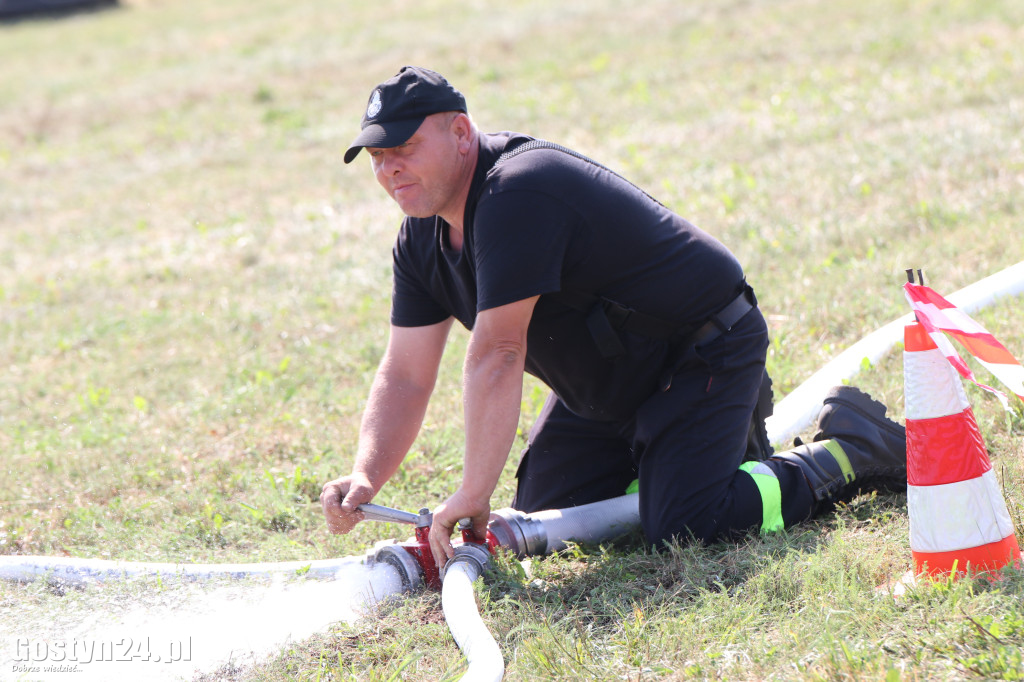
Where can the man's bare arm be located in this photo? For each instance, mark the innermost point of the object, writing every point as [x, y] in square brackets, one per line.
[492, 394]
[391, 421]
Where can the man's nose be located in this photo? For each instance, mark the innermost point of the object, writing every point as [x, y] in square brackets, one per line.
[390, 165]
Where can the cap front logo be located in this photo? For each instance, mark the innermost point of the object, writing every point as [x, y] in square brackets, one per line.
[375, 105]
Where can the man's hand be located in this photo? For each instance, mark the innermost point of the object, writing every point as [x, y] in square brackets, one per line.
[340, 497]
[458, 506]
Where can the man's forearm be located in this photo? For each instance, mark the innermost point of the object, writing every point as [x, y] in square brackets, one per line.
[391, 422]
[493, 394]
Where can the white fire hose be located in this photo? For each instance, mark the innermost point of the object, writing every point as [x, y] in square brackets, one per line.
[463, 617]
[77, 572]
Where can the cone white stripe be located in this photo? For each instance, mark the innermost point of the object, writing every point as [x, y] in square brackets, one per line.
[954, 516]
[932, 388]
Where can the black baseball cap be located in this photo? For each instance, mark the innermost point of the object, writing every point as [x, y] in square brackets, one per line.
[398, 106]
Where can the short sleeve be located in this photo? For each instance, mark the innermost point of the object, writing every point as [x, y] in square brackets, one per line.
[521, 242]
[412, 304]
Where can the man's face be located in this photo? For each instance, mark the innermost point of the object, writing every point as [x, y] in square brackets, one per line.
[421, 175]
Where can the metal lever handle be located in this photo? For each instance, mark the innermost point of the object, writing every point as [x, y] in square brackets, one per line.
[375, 512]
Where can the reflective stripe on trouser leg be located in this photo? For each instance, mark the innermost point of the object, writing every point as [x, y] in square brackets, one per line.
[771, 495]
[837, 452]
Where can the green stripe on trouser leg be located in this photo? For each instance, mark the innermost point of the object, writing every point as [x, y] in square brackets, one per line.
[771, 495]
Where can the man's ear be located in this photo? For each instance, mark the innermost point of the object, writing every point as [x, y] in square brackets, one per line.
[462, 128]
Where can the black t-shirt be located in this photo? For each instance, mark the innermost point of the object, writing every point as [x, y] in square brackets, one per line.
[545, 221]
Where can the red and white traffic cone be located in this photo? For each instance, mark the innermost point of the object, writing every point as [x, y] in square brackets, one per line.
[958, 519]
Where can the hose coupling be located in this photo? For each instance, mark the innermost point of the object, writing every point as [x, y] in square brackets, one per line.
[397, 556]
[518, 532]
[474, 555]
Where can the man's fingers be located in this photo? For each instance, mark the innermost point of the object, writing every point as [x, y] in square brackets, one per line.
[441, 542]
[355, 494]
[340, 500]
[480, 531]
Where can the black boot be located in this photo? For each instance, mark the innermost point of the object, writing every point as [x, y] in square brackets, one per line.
[856, 449]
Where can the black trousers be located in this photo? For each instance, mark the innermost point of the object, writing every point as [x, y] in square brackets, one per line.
[684, 444]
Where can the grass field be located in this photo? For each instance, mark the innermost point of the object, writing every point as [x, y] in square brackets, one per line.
[194, 293]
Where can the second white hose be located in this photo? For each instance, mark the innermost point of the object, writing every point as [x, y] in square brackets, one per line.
[798, 410]
[460, 611]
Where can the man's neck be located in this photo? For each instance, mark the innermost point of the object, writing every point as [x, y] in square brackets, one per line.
[456, 214]
[454, 238]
